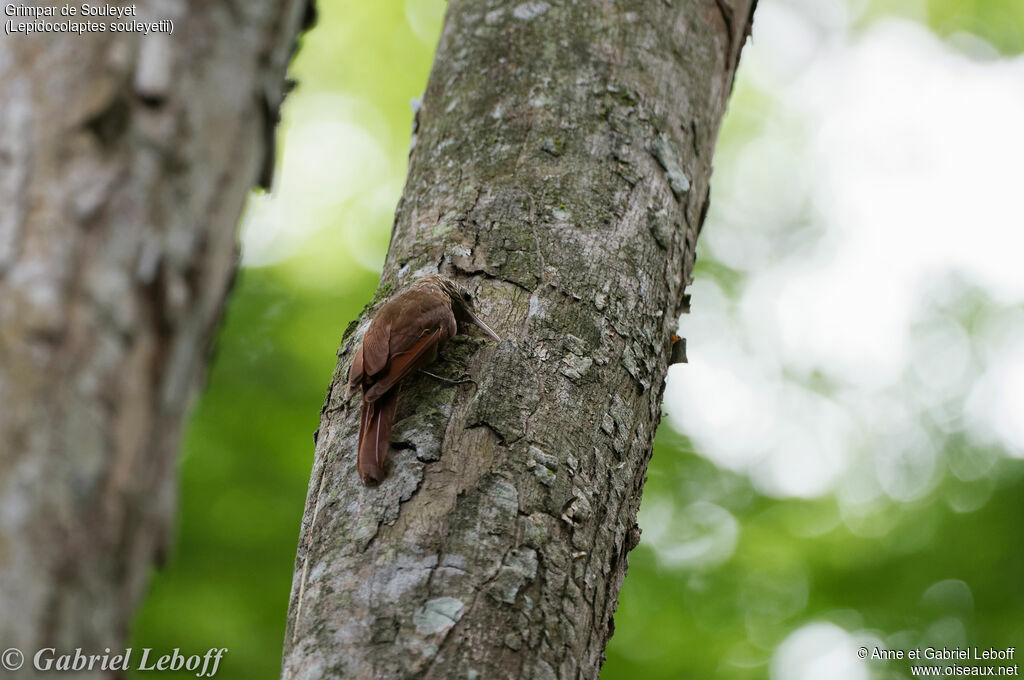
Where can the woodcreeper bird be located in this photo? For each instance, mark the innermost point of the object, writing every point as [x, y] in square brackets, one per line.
[403, 337]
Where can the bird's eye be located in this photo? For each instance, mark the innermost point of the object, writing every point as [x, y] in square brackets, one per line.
[466, 296]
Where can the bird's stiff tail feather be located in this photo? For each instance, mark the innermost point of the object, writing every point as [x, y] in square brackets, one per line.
[375, 422]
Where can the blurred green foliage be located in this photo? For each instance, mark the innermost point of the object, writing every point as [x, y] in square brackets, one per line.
[796, 562]
[1000, 23]
[248, 448]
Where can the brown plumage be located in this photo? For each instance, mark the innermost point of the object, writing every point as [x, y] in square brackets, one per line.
[403, 337]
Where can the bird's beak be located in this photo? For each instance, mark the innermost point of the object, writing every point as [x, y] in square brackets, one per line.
[485, 327]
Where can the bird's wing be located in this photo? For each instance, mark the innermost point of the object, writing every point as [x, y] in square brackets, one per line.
[376, 344]
[409, 361]
[355, 373]
[397, 328]
[401, 340]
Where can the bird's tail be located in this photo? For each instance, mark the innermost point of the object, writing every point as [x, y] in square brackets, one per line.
[375, 422]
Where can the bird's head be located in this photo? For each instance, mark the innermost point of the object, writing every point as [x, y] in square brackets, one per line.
[461, 300]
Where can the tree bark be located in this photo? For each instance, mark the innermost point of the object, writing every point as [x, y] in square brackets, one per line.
[560, 169]
[125, 161]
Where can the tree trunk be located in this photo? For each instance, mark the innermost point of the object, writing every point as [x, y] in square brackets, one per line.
[560, 170]
[124, 164]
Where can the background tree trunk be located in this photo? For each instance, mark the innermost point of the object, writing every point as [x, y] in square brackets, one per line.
[560, 169]
[124, 164]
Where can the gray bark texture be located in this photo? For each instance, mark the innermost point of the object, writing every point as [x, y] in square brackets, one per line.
[560, 170]
[125, 161]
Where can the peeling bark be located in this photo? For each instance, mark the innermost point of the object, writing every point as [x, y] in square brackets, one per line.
[560, 171]
[124, 164]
